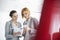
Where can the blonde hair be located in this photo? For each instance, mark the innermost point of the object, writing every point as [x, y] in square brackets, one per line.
[24, 9]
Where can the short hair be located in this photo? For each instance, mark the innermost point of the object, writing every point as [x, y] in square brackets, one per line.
[24, 9]
[12, 12]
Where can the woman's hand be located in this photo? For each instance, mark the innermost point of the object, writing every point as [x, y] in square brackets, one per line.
[26, 29]
[16, 34]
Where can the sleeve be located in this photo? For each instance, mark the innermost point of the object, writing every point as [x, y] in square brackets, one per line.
[7, 35]
[35, 23]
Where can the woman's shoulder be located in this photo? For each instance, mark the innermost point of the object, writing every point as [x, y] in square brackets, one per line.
[32, 18]
[8, 22]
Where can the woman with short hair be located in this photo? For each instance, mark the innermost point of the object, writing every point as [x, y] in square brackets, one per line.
[12, 27]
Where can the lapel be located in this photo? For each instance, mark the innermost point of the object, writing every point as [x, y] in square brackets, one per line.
[10, 28]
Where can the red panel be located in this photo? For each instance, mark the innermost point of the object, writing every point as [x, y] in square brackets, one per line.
[45, 21]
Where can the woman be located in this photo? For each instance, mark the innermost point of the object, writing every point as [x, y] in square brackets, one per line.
[12, 27]
[30, 25]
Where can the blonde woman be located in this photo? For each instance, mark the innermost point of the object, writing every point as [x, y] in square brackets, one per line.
[30, 24]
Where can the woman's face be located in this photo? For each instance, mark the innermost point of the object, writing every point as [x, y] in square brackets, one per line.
[26, 14]
[14, 16]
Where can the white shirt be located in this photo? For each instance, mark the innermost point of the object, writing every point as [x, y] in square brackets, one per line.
[17, 29]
